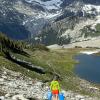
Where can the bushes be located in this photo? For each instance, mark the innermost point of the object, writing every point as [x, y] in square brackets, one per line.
[78, 46]
[40, 47]
[17, 46]
[9, 44]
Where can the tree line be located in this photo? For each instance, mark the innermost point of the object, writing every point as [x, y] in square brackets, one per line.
[9, 44]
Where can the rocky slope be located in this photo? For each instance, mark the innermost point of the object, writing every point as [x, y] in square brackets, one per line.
[94, 43]
[15, 86]
[78, 22]
[50, 21]
[26, 17]
[41, 65]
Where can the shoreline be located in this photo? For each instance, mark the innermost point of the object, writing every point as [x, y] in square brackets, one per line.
[90, 52]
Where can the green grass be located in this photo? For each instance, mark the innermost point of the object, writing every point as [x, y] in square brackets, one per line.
[98, 27]
[53, 60]
[60, 61]
[87, 31]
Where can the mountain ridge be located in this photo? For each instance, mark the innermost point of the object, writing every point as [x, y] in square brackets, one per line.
[26, 19]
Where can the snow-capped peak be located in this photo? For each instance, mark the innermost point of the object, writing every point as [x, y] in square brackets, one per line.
[50, 4]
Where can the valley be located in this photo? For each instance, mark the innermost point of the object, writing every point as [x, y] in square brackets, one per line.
[17, 77]
[39, 39]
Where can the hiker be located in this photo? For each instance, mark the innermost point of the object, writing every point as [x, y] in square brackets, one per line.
[55, 88]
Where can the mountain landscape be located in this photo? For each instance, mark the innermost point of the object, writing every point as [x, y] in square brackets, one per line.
[50, 21]
[39, 39]
[26, 72]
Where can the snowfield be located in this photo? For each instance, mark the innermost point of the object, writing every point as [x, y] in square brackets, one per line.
[52, 4]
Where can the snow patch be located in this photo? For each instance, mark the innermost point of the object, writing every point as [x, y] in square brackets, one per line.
[54, 46]
[52, 4]
[52, 15]
[89, 8]
[90, 52]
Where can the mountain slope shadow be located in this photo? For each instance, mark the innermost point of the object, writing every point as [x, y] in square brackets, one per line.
[25, 64]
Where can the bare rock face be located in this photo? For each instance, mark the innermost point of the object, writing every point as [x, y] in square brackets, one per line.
[50, 21]
[27, 17]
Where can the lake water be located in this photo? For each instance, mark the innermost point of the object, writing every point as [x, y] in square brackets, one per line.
[88, 67]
